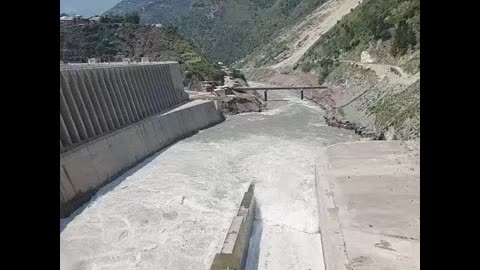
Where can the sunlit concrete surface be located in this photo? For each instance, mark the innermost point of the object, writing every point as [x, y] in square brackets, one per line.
[370, 205]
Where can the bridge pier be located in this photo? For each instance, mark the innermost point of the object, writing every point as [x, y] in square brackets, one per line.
[265, 95]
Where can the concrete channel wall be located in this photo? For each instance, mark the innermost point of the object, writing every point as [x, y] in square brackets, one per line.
[97, 99]
[233, 254]
[86, 168]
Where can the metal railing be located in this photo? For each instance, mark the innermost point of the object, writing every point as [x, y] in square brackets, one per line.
[271, 88]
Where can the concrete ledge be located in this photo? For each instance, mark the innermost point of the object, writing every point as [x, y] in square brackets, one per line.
[83, 170]
[368, 197]
[234, 251]
[334, 252]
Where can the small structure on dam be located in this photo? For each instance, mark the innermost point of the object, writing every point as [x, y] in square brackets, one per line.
[113, 115]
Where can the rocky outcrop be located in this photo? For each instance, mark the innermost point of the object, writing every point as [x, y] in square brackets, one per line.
[240, 103]
[333, 119]
[366, 57]
[231, 101]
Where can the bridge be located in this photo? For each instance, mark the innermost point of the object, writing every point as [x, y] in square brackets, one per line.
[271, 88]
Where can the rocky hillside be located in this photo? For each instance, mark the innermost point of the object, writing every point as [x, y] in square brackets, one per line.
[366, 51]
[292, 41]
[370, 58]
[388, 30]
[113, 41]
[224, 30]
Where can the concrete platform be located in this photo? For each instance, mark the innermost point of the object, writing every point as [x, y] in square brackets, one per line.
[369, 200]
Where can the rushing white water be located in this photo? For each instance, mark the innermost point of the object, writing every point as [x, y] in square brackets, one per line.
[173, 210]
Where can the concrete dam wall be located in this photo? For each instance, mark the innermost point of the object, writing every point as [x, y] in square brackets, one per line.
[98, 99]
[114, 116]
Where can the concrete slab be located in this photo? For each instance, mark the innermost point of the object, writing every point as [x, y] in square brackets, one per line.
[121, 148]
[370, 217]
[150, 131]
[80, 166]
[102, 163]
[67, 190]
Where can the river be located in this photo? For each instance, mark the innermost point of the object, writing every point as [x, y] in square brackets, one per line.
[173, 210]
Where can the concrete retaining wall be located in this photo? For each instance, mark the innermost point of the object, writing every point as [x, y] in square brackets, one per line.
[234, 252]
[98, 99]
[91, 165]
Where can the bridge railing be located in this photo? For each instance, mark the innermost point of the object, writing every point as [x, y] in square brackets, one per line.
[272, 88]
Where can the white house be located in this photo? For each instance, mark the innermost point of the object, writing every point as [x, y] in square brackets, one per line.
[67, 20]
[94, 19]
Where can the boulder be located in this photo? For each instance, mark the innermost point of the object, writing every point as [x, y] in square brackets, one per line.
[242, 103]
[365, 57]
[359, 130]
[350, 126]
[367, 133]
[390, 133]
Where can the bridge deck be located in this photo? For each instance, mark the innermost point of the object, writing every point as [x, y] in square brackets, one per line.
[269, 88]
[274, 88]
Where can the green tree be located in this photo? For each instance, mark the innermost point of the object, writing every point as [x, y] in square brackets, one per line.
[287, 6]
[404, 37]
[133, 18]
[411, 37]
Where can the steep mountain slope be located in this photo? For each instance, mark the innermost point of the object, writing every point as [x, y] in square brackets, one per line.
[112, 42]
[289, 45]
[387, 30]
[367, 51]
[373, 57]
[370, 59]
[224, 30]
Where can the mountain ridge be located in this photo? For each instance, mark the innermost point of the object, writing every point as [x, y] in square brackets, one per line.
[224, 30]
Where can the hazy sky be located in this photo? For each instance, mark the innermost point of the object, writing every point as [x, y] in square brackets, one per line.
[86, 7]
